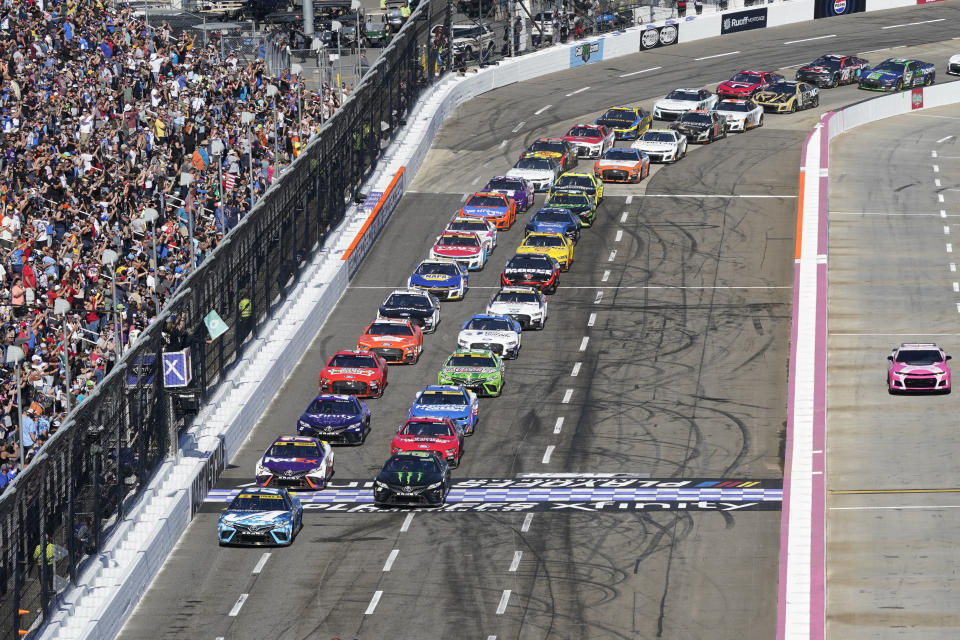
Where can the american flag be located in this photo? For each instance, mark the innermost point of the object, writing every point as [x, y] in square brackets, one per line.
[228, 181]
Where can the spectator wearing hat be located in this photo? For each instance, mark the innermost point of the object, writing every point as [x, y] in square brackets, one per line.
[28, 430]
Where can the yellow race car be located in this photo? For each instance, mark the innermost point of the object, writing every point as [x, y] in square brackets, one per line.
[586, 182]
[627, 122]
[556, 245]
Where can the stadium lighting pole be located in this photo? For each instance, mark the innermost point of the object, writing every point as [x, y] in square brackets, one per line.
[246, 117]
[109, 257]
[15, 355]
[61, 307]
[150, 216]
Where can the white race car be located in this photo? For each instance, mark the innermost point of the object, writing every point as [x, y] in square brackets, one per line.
[484, 228]
[953, 65]
[662, 145]
[525, 305]
[679, 101]
[500, 334]
[740, 114]
[540, 172]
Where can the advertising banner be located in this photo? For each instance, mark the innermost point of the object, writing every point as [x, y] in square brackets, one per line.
[830, 8]
[376, 221]
[585, 53]
[743, 21]
[659, 36]
[916, 98]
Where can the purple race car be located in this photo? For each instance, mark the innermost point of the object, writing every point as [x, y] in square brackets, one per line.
[335, 418]
[517, 188]
[296, 462]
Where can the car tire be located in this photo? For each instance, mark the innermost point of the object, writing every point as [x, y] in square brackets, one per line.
[929, 81]
[816, 102]
[760, 121]
[836, 80]
[383, 388]
[899, 85]
[793, 107]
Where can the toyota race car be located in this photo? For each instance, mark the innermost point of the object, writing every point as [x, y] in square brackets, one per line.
[413, 478]
[430, 433]
[532, 270]
[701, 126]
[746, 83]
[517, 188]
[590, 140]
[622, 165]
[740, 115]
[355, 373]
[577, 201]
[679, 101]
[419, 306]
[586, 182]
[540, 172]
[556, 148]
[393, 339]
[556, 220]
[464, 247]
[479, 370]
[335, 419]
[895, 74]
[445, 279]
[787, 97]
[483, 227]
[457, 403]
[260, 516]
[832, 70]
[918, 367]
[296, 462]
[662, 145]
[556, 245]
[524, 304]
[627, 122]
[494, 206]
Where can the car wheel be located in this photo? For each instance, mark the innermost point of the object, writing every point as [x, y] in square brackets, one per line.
[383, 388]
[836, 80]
[793, 107]
[500, 388]
[899, 86]
[724, 133]
[927, 83]
[816, 101]
[760, 121]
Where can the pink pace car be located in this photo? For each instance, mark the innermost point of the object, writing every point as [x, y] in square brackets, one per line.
[918, 367]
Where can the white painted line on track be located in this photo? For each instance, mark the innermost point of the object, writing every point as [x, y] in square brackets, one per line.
[811, 39]
[958, 307]
[598, 297]
[503, 144]
[702, 195]
[373, 602]
[464, 198]
[559, 425]
[953, 266]
[527, 520]
[547, 454]
[940, 197]
[576, 369]
[633, 73]
[541, 110]
[943, 214]
[566, 396]
[261, 562]
[606, 276]
[946, 230]
[518, 127]
[956, 287]
[619, 236]
[623, 216]
[239, 605]
[613, 256]
[476, 180]
[912, 24]
[504, 599]
[573, 93]
[583, 343]
[718, 55]
[390, 558]
[406, 523]
[629, 199]
[941, 141]
[936, 182]
[933, 154]
[912, 506]
[949, 248]
[491, 637]
[931, 115]
[591, 320]
[899, 46]
[219, 638]
[936, 168]
[516, 560]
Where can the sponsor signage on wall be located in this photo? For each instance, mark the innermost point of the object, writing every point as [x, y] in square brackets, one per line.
[663, 36]
[376, 221]
[916, 98]
[830, 8]
[586, 53]
[743, 21]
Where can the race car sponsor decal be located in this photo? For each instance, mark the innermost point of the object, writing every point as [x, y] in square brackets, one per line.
[467, 369]
[344, 371]
[585, 53]
[830, 8]
[441, 407]
[435, 277]
[659, 36]
[744, 21]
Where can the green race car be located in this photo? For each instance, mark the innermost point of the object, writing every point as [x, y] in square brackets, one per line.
[579, 202]
[479, 370]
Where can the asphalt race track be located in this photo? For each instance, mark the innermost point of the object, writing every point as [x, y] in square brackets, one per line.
[664, 357]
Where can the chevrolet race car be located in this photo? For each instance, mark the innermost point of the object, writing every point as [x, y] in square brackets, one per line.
[679, 101]
[494, 206]
[746, 83]
[590, 140]
[832, 70]
[540, 172]
[586, 182]
[531, 270]
[517, 188]
[524, 304]
[577, 201]
[448, 401]
[413, 478]
[556, 148]
[419, 306]
[627, 122]
[355, 373]
[464, 247]
[430, 434]
[260, 516]
[336, 419]
[953, 65]
[483, 227]
[895, 74]
[662, 145]
[393, 339]
[918, 367]
[296, 462]
[701, 126]
[500, 334]
[479, 370]
[555, 220]
[445, 279]
[788, 97]
[622, 165]
[556, 245]
[740, 115]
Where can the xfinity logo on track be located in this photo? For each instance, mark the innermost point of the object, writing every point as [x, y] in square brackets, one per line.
[744, 21]
[570, 507]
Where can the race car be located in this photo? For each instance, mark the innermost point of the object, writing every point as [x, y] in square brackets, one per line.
[788, 97]
[627, 122]
[495, 207]
[517, 188]
[483, 227]
[746, 83]
[740, 115]
[556, 245]
[524, 304]
[622, 165]
[445, 279]
[590, 140]
[296, 462]
[895, 74]
[531, 270]
[412, 478]
[701, 126]
[540, 172]
[662, 145]
[261, 516]
[500, 334]
[556, 148]
[393, 339]
[832, 70]
[448, 401]
[419, 306]
[679, 101]
[555, 220]
[953, 65]
[577, 201]
[479, 370]
[336, 419]
[586, 182]
[354, 373]
[430, 433]
[463, 246]
[920, 366]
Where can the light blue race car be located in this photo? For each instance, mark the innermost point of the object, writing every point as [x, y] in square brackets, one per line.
[447, 401]
[261, 516]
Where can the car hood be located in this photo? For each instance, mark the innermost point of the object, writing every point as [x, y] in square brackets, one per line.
[405, 312]
[584, 140]
[573, 207]
[643, 145]
[930, 369]
[290, 464]
[472, 372]
[516, 194]
[423, 442]
[350, 373]
[409, 478]
[772, 96]
[434, 279]
[550, 227]
[452, 411]
[815, 69]
[737, 87]
[329, 420]
[954, 58]
[537, 174]
[617, 163]
[734, 115]
[691, 126]
[676, 105]
[488, 336]
[450, 250]
[617, 124]
[507, 309]
[254, 518]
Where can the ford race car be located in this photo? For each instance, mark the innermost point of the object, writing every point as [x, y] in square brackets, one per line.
[260, 516]
[464, 247]
[445, 279]
[531, 270]
[540, 172]
[296, 462]
[556, 245]
[447, 401]
[555, 220]
[832, 70]
[918, 367]
[555, 148]
[393, 339]
[662, 145]
[740, 115]
[622, 165]
[517, 188]
[788, 97]
[524, 304]
[413, 478]
[336, 419]
[355, 373]
[483, 227]
[479, 370]
[895, 74]
[679, 101]
[500, 334]
[431, 433]
[419, 306]
[746, 83]
[701, 126]
[586, 182]
[495, 207]
[590, 140]
[577, 201]
[953, 65]
[627, 122]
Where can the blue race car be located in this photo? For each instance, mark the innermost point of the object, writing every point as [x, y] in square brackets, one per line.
[444, 278]
[555, 220]
[260, 516]
[895, 74]
[337, 419]
[447, 401]
[519, 189]
[297, 462]
[500, 334]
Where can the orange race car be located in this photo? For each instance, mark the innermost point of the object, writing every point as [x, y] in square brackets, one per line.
[622, 165]
[495, 207]
[393, 339]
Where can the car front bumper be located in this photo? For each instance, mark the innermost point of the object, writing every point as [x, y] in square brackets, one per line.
[334, 435]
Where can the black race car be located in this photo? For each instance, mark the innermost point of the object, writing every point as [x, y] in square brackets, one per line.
[701, 126]
[414, 304]
[832, 70]
[413, 478]
[532, 270]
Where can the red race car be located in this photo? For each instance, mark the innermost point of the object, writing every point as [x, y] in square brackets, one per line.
[430, 434]
[590, 140]
[355, 373]
[746, 83]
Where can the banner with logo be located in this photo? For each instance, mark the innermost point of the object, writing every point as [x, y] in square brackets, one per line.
[585, 53]
[830, 8]
[659, 36]
[743, 21]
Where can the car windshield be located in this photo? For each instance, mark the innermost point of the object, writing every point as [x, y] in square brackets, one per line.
[748, 78]
[574, 181]
[407, 300]
[516, 297]
[389, 329]
[507, 184]
[731, 105]
[426, 429]
[543, 241]
[584, 132]
[692, 117]
[552, 216]
[486, 201]
[489, 324]
[469, 225]
[353, 361]
[332, 407]
[657, 136]
[918, 356]
[293, 450]
[890, 65]
[446, 398]
[465, 32]
[445, 269]
[424, 464]
[830, 62]
[568, 198]
[521, 262]
[259, 502]
[783, 87]
[471, 361]
[552, 146]
[684, 95]
[534, 163]
[621, 154]
[620, 115]
[458, 241]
